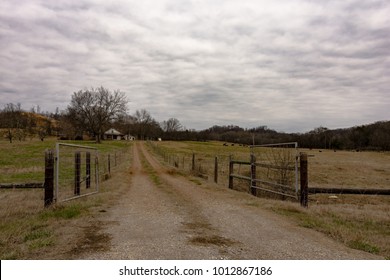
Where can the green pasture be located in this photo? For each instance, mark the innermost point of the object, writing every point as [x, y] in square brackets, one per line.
[24, 161]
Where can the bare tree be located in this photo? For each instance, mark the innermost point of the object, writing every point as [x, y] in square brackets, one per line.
[145, 125]
[172, 128]
[171, 125]
[67, 128]
[44, 128]
[13, 121]
[143, 120]
[94, 109]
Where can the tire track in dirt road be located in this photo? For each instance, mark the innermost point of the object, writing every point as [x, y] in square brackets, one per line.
[164, 215]
[151, 222]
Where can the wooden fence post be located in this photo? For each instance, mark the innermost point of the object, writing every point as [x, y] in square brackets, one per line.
[88, 169]
[193, 161]
[109, 164]
[176, 161]
[49, 178]
[304, 180]
[77, 174]
[230, 172]
[216, 170]
[97, 179]
[253, 176]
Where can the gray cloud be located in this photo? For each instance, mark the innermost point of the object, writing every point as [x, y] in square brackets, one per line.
[290, 65]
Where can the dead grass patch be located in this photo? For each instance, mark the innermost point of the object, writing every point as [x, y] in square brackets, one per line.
[197, 226]
[216, 240]
[173, 172]
[92, 240]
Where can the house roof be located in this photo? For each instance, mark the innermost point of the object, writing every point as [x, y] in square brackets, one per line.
[113, 131]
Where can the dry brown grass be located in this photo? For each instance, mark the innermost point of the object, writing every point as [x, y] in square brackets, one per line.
[349, 169]
[364, 227]
[20, 231]
[216, 240]
[29, 231]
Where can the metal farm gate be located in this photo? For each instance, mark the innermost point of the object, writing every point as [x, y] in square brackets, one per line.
[273, 169]
[76, 171]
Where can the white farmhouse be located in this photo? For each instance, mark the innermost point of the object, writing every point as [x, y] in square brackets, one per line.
[113, 134]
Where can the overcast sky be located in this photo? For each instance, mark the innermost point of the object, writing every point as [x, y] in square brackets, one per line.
[291, 65]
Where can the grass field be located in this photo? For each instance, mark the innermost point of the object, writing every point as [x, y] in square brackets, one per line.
[22, 162]
[349, 169]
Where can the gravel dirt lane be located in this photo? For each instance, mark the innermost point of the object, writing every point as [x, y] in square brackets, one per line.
[164, 215]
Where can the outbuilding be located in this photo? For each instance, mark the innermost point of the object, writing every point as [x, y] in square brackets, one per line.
[113, 134]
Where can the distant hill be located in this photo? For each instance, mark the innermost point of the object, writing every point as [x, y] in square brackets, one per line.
[19, 125]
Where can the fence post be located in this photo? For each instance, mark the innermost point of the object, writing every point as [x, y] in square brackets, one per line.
[304, 180]
[97, 172]
[49, 178]
[253, 176]
[176, 161]
[77, 174]
[230, 172]
[193, 161]
[88, 169]
[216, 170]
[109, 164]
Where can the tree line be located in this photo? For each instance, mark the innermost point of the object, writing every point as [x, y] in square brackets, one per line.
[374, 136]
[93, 111]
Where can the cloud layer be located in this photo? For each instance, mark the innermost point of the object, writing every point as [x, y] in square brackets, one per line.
[290, 65]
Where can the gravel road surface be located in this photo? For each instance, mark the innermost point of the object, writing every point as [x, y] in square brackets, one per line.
[164, 215]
